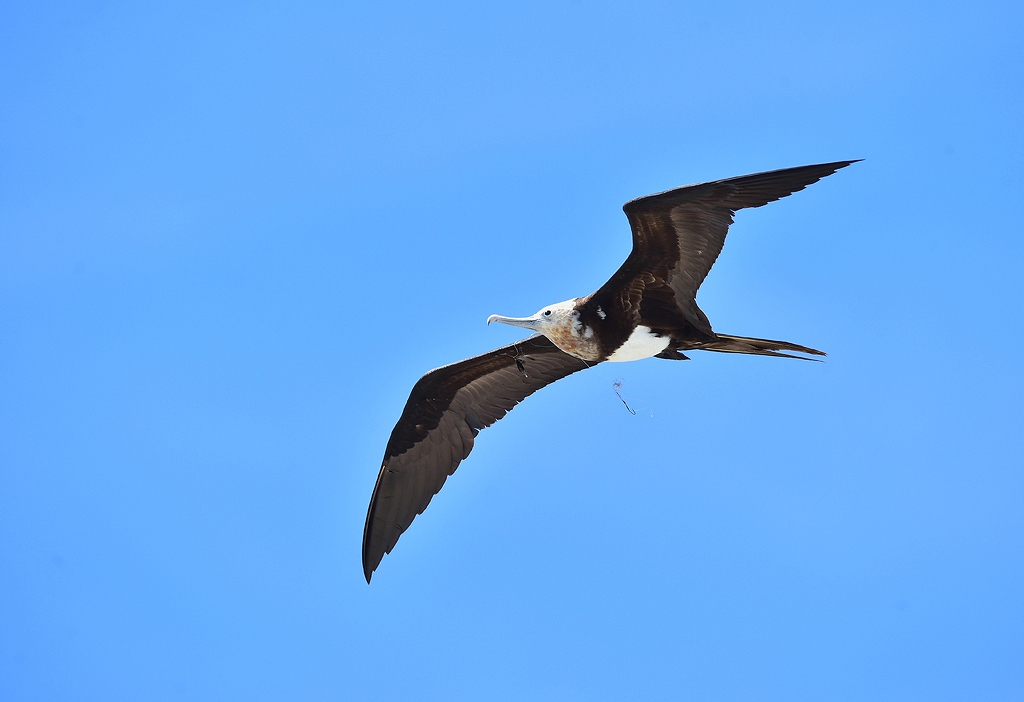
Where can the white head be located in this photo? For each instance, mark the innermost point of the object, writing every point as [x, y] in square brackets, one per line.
[552, 321]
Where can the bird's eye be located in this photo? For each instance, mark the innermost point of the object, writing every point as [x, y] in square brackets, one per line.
[547, 313]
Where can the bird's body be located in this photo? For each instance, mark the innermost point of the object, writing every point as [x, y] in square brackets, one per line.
[647, 308]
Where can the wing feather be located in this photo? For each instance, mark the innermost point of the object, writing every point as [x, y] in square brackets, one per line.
[678, 234]
[446, 409]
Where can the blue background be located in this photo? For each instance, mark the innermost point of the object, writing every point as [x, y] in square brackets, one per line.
[234, 235]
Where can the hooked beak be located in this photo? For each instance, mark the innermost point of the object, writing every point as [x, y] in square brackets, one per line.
[525, 322]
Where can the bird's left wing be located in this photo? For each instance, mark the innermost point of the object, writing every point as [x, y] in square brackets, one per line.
[446, 410]
[678, 234]
[690, 223]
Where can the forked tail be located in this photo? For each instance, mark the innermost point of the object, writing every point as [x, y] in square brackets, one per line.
[760, 347]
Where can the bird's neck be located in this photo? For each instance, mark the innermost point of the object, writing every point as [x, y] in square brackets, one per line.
[574, 336]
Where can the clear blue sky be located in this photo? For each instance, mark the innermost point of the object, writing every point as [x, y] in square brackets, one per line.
[232, 236]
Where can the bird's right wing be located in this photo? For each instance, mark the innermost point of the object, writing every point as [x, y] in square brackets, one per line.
[446, 410]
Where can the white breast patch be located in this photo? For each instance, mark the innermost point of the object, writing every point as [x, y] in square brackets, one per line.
[640, 344]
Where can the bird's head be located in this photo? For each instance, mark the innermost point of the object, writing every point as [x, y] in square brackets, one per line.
[552, 321]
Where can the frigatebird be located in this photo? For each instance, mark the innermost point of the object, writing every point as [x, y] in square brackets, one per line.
[647, 308]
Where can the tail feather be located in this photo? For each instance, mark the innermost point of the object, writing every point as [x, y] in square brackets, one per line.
[760, 347]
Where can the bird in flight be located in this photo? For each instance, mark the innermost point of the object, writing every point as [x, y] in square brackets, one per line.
[647, 308]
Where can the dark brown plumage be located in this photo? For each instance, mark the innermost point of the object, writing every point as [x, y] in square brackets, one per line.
[446, 410]
[677, 236]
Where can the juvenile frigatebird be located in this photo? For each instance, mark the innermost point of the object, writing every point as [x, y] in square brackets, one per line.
[648, 308]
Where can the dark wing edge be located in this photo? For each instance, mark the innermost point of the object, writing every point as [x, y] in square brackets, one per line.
[678, 234]
[446, 409]
[739, 192]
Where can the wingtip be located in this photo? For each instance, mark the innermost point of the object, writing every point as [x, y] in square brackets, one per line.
[834, 166]
[368, 568]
